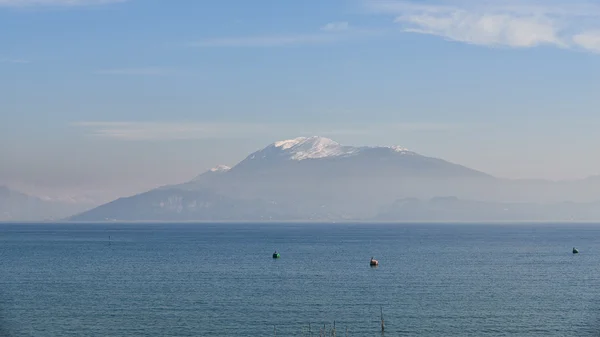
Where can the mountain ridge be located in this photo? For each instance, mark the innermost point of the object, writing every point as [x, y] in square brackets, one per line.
[309, 178]
[18, 206]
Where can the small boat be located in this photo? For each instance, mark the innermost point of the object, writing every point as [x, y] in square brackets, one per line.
[575, 251]
[276, 255]
[373, 262]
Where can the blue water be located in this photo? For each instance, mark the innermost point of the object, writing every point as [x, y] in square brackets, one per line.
[220, 280]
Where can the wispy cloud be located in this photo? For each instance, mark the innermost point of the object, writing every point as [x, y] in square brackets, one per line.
[589, 40]
[9, 60]
[140, 131]
[26, 3]
[328, 33]
[527, 23]
[265, 41]
[336, 27]
[146, 131]
[135, 71]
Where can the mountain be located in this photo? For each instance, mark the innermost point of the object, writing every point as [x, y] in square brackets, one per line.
[17, 206]
[319, 174]
[183, 205]
[315, 178]
[217, 170]
[455, 209]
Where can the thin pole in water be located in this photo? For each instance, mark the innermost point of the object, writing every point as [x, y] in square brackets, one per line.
[274, 331]
[382, 323]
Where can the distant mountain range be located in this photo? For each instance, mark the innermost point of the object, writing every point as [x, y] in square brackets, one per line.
[17, 206]
[454, 209]
[318, 179]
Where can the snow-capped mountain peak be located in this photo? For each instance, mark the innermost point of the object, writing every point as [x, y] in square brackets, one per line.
[220, 168]
[315, 147]
[311, 148]
[217, 170]
[399, 149]
[305, 141]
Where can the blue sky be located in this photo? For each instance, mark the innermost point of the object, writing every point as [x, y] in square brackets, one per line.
[102, 98]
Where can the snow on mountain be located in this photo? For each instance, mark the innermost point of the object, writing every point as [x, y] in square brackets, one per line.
[310, 178]
[217, 170]
[312, 148]
[315, 147]
[220, 168]
[399, 149]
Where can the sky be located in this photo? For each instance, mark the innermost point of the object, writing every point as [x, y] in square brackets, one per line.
[105, 98]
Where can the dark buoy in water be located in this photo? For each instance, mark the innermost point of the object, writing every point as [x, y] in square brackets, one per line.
[575, 251]
[276, 255]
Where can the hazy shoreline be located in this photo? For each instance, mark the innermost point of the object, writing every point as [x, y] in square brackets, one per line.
[483, 223]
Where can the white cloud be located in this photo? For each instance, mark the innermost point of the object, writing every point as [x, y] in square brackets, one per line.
[508, 23]
[588, 40]
[145, 131]
[484, 29]
[25, 3]
[134, 71]
[336, 27]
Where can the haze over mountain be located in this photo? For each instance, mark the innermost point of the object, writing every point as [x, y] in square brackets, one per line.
[97, 114]
[17, 206]
[315, 178]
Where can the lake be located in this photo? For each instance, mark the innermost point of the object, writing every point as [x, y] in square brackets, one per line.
[221, 279]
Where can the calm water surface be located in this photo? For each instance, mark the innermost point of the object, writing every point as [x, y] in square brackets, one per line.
[220, 280]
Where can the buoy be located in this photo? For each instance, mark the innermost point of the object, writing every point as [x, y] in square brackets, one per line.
[374, 262]
[276, 255]
[575, 251]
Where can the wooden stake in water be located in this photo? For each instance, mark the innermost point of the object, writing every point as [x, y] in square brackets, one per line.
[274, 331]
[382, 323]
